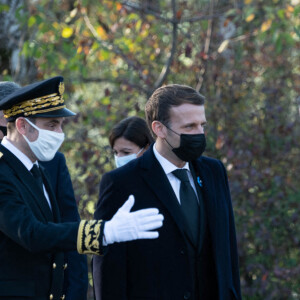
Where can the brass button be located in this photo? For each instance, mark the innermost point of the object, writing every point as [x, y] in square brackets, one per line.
[51, 297]
[54, 265]
[63, 297]
[65, 266]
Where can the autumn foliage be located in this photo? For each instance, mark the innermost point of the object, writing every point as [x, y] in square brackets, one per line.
[242, 55]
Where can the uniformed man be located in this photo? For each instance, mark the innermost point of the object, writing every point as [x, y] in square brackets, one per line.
[32, 239]
[76, 273]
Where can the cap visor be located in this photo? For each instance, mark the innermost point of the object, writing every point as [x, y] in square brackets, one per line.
[63, 112]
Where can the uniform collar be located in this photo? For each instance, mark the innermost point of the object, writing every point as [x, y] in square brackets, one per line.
[17, 153]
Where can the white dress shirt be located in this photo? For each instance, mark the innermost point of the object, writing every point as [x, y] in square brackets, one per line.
[24, 160]
[168, 168]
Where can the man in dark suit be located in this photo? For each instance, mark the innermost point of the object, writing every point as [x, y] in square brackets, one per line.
[195, 256]
[32, 238]
[76, 273]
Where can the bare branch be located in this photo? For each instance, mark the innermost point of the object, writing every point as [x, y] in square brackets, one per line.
[206, 46]
[166, 68]
[124, 81]
[137, 7]
[200, 18]
[110, 47]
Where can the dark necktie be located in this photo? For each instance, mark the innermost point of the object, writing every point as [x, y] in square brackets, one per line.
[38, 176]
[189, 202]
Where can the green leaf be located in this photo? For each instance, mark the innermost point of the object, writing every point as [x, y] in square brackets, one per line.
[297, 11]
[280, 14]
[31, 21]
[297, 30]
[4, 7]
[138, 25]
[278, 45]
[105, 100]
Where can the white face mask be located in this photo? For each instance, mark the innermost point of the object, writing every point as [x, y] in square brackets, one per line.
[123, 160]
[47, 143]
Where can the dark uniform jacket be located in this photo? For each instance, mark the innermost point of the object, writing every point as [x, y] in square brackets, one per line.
[32, 239]
[76, 273]
[170, 267]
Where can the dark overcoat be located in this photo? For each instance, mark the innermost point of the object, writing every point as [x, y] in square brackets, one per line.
[164, 269]
[76, 274]
[32, 239]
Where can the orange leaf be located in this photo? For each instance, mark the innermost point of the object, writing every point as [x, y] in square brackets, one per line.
[119, 6]
[250, 18]
[102, 33]
[264, 278]
[179, 14]
[219, 143]
[266, 25]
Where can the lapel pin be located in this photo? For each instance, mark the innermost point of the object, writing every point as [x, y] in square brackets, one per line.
[199, 181]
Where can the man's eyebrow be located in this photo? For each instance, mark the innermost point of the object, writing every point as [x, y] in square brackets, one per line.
[122, 149]
[53, 121]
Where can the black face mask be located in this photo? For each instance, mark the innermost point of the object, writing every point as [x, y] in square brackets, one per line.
[4, 130]
[191, 146]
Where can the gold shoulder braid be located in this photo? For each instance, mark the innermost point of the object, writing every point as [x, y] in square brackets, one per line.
[90, 236]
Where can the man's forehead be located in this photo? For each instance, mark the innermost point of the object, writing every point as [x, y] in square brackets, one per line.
[186, 109]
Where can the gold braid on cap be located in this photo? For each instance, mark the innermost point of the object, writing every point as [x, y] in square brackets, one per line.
[43, 104]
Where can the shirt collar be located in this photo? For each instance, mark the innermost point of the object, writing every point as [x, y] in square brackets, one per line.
[167, 166]
[17, 153]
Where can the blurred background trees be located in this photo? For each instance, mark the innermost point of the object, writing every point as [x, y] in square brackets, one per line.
[243, 55]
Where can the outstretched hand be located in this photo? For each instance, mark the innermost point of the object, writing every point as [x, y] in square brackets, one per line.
[127, 226]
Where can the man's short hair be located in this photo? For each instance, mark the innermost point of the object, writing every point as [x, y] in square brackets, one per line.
[164, 98]
[7, 87]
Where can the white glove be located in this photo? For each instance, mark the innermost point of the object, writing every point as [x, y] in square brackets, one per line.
[127, 226]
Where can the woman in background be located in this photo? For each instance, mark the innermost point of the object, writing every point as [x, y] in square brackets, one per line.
[129, 139]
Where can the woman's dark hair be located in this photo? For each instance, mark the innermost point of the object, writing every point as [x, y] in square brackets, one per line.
[133, 129]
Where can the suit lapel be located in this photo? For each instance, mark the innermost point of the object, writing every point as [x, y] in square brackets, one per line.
[202, 214]
[38, 198]
[209, 197]
[155, 177]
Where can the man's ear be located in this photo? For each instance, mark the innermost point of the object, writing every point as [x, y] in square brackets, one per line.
[21, 125]
[159, 129]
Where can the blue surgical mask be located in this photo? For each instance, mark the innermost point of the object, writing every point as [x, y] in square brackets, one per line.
[123, 160]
